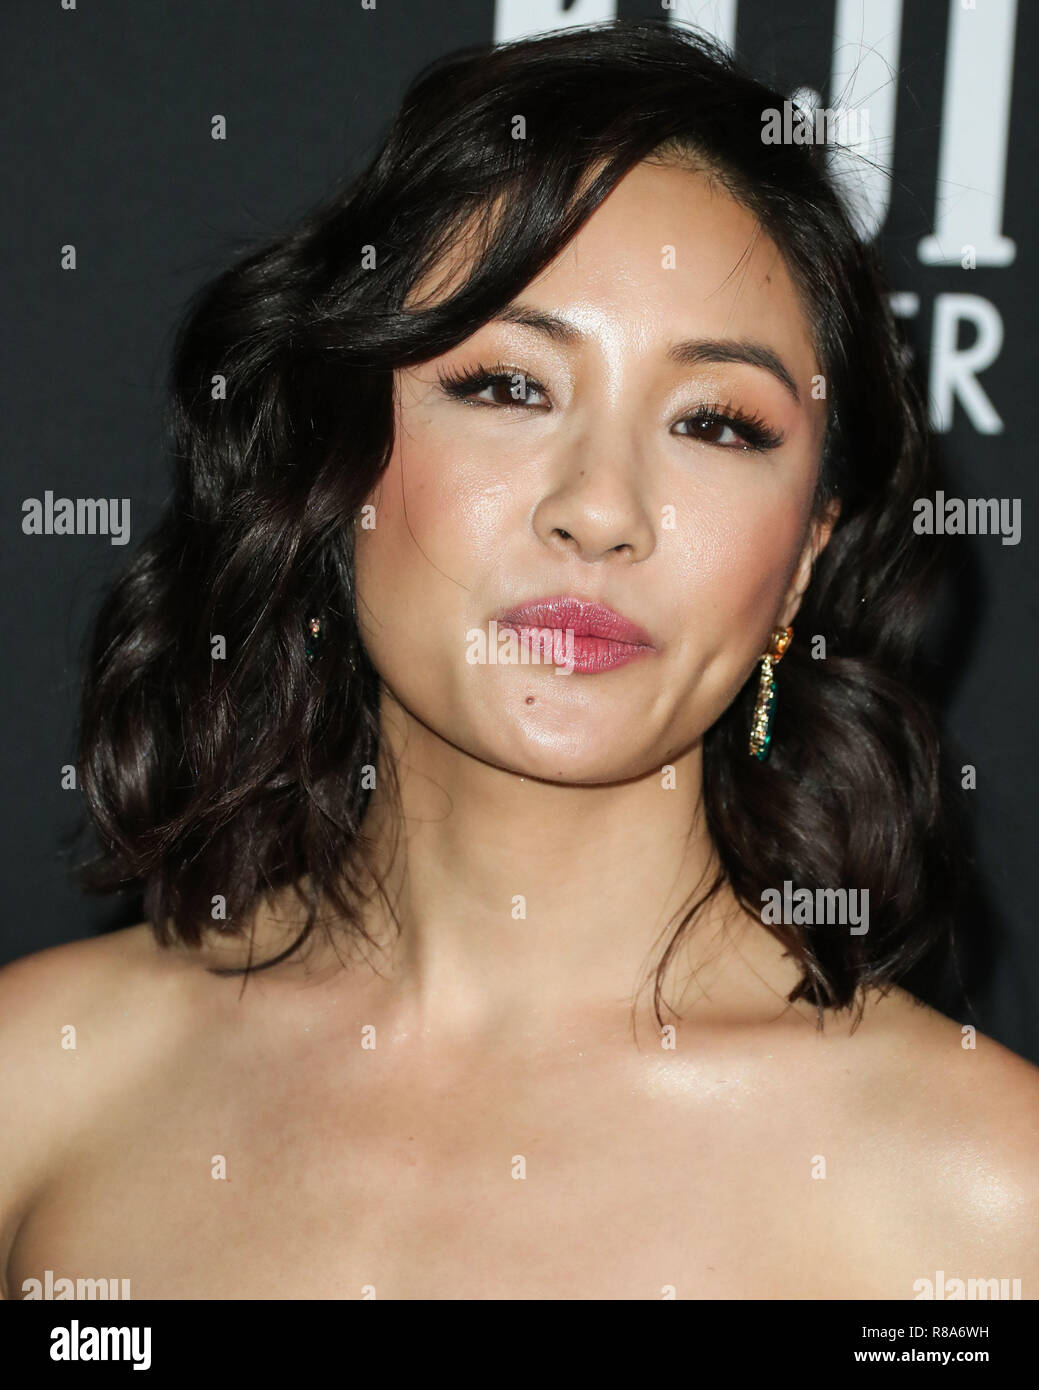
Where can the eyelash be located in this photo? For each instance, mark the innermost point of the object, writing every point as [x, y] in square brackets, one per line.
[757, 434]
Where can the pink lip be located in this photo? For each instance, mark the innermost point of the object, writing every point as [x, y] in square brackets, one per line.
[603, 638]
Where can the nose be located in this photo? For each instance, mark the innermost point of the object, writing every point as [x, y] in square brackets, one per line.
[596, 509]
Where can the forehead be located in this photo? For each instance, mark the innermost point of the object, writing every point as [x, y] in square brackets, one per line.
[670, 253]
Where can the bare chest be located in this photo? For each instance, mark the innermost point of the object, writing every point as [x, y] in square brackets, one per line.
[570, 1185]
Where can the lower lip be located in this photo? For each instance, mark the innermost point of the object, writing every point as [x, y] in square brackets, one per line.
[594, 654]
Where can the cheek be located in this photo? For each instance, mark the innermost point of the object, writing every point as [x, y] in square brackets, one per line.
[753, 565]
[736, 566]
[435, 504]
[435, 533]
[742, 545]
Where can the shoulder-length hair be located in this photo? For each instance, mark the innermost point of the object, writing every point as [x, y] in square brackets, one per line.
[238, 776]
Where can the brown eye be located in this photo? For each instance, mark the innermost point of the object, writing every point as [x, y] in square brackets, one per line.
[513, 390]
[508, 386]
[730, 428]
[712, 430]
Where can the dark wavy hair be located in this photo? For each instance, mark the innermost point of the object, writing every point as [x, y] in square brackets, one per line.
[242, 776]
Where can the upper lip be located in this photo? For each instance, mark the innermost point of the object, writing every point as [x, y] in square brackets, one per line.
[584, 618]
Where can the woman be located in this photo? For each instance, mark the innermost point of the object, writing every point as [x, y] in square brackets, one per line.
[533, 620]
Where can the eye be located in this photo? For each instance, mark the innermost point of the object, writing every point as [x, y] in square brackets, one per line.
[728, 427]
[503, 385]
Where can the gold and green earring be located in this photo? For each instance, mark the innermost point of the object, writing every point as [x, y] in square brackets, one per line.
[314, 639]
[765, 705]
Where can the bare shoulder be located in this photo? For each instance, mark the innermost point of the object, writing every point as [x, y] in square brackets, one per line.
[955, 1114]
[75, 1020]
[85, 1024]
[49, 998]
[81, 983]
[948, 1067]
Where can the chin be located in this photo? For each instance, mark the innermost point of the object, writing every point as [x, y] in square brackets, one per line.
[559, 745]
[581, 771]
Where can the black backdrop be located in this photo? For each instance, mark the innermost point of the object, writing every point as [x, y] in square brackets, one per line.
[107, 147]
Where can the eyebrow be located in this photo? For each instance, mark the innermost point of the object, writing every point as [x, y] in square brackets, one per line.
[691, 352]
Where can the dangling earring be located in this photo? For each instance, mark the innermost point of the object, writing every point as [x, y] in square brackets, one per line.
[764, 708]
[315, 641]
[314, 628]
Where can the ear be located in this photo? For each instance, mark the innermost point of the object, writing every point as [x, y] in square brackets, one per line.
[819, 531]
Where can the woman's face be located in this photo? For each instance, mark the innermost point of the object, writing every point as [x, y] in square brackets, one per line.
[593, 470]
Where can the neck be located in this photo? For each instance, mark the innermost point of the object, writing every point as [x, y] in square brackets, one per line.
[522, 901]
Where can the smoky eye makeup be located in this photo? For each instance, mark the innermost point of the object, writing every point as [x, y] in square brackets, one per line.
[708, 423]
[755, 433]
[518, 385]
